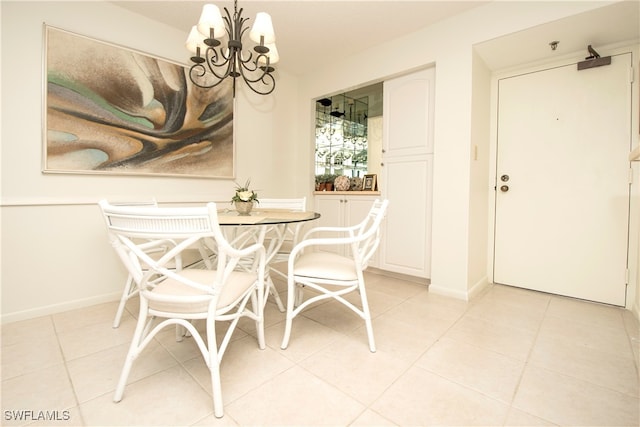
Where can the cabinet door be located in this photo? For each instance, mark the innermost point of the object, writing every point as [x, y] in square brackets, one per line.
[342, 211]
[408, 108]
[356, 208]
[407, 236]
[331, 209]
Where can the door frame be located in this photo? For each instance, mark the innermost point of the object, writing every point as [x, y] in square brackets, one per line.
[633, 253]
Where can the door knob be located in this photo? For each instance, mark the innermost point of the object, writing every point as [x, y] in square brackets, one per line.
[504, 188]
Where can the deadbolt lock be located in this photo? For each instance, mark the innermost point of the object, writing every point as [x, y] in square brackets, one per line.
[504, 178]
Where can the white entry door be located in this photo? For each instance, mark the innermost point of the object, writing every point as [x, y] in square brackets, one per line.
[562, 182]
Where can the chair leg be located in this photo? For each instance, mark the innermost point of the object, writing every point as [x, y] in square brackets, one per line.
[367, 317]
[273, 291]
[132, 354]
[372, 343]
[299, 295]
[258, 308]
[122, 382]
[213, 362]
[291, 299]
[218, 407]
[126, 293]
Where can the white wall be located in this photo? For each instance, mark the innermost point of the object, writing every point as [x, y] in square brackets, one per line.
[480, 187]
[457, 231]
[55, 254]
[54, 250]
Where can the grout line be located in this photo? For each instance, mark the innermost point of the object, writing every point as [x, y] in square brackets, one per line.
[66, 368]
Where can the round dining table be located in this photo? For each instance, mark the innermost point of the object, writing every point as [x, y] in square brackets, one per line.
[266, 226]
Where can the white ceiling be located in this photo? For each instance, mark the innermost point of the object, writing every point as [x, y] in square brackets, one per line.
[605, 26]
[308, 30]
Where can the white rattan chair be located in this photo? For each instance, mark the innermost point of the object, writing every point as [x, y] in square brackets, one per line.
[332, 275]
[177, 297]
[193, 256]
[292, 234]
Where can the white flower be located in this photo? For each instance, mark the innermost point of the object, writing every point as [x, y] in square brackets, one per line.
[243, 193]
[245, 196]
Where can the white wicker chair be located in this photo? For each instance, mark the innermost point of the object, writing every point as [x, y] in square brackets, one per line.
[179, 296]
[290, 239]
[193, 256]
[333, 275]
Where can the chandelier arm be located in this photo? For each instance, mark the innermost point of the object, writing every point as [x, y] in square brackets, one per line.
[266, 78]
[200, 71]
[212, 63]
[247, 75]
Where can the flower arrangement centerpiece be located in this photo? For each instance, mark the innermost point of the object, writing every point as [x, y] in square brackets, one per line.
[244, 198]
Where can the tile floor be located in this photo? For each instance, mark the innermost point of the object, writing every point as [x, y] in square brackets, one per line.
[510, 357]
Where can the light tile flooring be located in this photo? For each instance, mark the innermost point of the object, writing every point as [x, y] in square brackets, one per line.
[510, 357]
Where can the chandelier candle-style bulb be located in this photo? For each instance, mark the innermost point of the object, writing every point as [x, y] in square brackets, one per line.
[194, 44]
[268, 59]
[211, 24]
[262, 32]
[215, 61]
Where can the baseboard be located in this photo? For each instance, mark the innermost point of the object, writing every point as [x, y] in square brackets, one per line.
[448, 292]
[478, 288]
[59, 308]
[408, 278]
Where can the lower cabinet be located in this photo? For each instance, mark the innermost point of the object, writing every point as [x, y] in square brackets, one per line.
[406, 240]
[342, 210]
[405, 246]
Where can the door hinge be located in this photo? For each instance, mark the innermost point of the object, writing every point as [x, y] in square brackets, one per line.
[631, 75]
[630, 175]
[626, 276]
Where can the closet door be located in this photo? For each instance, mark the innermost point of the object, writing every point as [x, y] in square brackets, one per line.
[407, 163]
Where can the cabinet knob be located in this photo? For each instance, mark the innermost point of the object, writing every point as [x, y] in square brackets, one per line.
[384, 151]
[382, 164]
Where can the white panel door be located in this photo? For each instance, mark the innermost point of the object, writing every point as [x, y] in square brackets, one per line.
[408, 108]
[562, 196]
[407, 161]
[407, 236]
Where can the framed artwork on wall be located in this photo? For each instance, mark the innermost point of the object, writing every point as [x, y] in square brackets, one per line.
[113, 110]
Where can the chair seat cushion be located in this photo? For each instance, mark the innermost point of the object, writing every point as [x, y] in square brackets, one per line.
[325, 265]
[235, 287]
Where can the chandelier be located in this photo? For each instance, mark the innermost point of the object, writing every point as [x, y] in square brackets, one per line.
[214, 61]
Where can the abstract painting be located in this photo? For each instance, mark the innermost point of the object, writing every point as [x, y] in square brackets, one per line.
[113, 110]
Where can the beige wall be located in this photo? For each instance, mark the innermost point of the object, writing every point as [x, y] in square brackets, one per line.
[55, 255]
[459, 220]
[54, 251]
